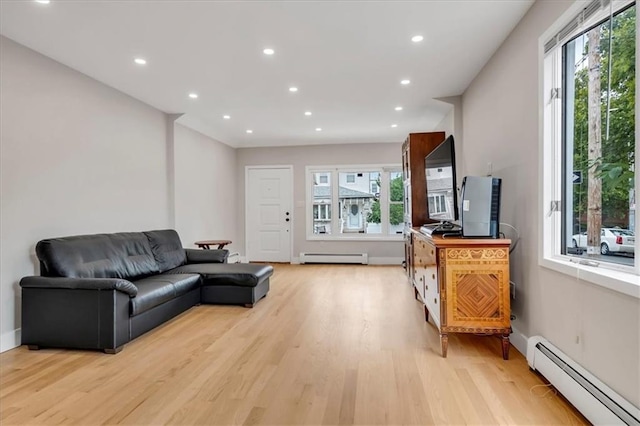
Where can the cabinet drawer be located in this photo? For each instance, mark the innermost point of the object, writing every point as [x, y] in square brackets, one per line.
[431, 293]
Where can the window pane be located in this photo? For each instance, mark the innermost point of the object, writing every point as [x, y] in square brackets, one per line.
[396, 207]
[321, 203]
[599, 141]
[356, 203]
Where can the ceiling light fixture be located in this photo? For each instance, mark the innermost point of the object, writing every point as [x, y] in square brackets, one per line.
[226, 117]
[140, 61]
[394, 125]
[268, 51]
[398, 108]
[43, 1]
[318, 129]
[417, 38]
[293, 89]
[307, 113]
[249, 131]
[193, 95]
[405, 82]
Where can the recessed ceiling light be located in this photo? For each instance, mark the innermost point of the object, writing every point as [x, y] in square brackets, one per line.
[398, 108]
[318, 129]
[226, 117]
[307, 113]
[249, 131]
[405, 82]
[268, 51]
[43, 1]
[417, 38]
[394, 125]
[140, 61]
[293, 89]
[193, 95]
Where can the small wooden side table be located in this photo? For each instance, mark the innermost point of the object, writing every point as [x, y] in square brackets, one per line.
[206, 244]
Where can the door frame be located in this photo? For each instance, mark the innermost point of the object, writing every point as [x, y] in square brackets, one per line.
[288, 167]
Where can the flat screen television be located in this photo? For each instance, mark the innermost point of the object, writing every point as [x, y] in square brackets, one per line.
[440, 171]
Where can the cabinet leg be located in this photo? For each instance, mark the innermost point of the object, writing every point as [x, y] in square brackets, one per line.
[505, 346]
[444, 342]
[426, 314]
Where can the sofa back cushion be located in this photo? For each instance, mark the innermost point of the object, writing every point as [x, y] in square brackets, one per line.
[167, 248]
[125, 255]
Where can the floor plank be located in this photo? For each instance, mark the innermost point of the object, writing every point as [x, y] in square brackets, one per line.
[331, 344]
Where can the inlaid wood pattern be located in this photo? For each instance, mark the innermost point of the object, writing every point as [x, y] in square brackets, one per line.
[476, 296]
[329, 345]
[476, 254]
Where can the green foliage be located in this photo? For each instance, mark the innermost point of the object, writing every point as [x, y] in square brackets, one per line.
[616, 166]
[396, 211]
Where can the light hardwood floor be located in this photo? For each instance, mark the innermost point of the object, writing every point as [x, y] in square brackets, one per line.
[329, 345]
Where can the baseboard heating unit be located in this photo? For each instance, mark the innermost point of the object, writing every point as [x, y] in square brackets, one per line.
[600, 404]
[360, 258]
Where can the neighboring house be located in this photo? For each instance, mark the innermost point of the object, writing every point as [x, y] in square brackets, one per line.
[441, 193]
[354, 207]
[440, 198]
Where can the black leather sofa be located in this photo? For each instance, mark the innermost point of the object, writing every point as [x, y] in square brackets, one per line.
[102, 291]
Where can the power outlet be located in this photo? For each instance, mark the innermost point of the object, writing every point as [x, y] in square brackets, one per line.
[512, 290]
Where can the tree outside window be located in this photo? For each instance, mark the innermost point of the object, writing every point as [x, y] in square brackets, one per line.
[599, 142]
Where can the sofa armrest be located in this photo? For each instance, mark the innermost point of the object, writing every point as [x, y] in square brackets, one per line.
[207, 256]
[120, 285]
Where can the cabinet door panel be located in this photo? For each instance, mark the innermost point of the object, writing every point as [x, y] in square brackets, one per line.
[477, 288]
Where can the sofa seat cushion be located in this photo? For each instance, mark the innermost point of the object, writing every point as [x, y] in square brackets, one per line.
[156, 290]
[235, 274]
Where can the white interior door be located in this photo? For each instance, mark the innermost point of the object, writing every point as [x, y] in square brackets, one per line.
[269, 213]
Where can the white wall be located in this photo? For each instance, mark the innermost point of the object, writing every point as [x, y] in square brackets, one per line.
[205, 186]
[326, 155]
[598, 328]
[78, 157]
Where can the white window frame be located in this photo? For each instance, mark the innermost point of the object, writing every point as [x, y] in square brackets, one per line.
[324, 212]
[436, 204]
[334, 171]
[624, 279]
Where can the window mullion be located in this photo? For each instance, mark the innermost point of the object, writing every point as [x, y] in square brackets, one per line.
[335, 198]
[384, 202]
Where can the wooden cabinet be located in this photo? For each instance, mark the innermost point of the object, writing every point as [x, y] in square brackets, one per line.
[414, 149]
[464, 285]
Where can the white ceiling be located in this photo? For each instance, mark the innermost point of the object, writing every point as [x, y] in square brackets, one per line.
[346, 57]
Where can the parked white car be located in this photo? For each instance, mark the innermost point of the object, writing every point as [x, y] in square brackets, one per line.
[612, 240]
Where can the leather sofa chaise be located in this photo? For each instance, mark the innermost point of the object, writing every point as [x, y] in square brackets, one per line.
[102, 291]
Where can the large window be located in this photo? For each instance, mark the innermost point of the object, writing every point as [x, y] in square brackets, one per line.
[355, 202]
[322, 199]
[590, 138]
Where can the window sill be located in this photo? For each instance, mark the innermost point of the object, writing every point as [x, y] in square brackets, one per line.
[622, 282]
[356, 237]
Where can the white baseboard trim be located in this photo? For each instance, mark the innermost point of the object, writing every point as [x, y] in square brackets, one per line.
[518, 341]
[386, 260]
[10, 340]
[372, 260]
